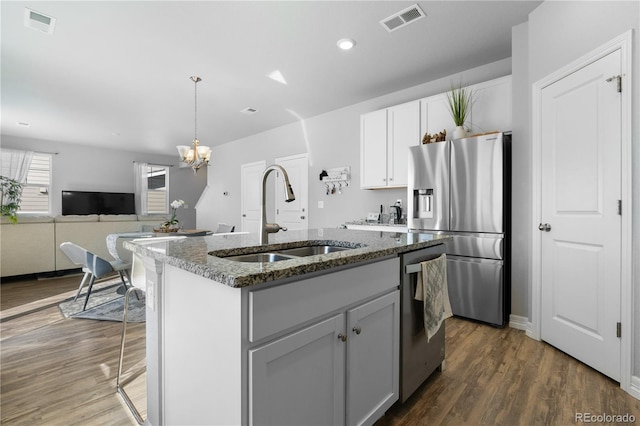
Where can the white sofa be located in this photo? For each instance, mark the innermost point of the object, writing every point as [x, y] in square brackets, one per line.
[33, 244]
[27, 247]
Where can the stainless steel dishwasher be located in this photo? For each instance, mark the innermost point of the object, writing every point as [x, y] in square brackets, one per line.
[418, 358]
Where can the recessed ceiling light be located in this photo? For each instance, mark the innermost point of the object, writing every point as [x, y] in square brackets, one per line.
[346, 44]
[22, 124]
[249, 111]
[277, 76]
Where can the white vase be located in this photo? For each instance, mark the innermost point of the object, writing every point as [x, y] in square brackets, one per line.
[459, 133]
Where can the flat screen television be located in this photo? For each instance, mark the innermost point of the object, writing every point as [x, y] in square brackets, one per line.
[83, 202]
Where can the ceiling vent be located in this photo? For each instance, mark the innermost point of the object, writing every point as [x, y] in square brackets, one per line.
[39, 21]
[403, 18]
[249, 111]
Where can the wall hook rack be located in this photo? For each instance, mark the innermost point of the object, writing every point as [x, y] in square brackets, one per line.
[336, 179]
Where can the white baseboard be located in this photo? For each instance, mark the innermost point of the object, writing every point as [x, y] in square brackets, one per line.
[634, 389]
[518, 322]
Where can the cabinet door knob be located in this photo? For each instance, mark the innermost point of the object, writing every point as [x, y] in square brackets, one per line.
[357, 329]
[342, 337]
[301, 217]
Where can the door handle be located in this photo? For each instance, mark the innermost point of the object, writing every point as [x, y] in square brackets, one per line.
[544, 227]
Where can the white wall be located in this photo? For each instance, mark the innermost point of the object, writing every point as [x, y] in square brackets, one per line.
[84, 168]
[560, 32]
[521, 175]
[331, 140]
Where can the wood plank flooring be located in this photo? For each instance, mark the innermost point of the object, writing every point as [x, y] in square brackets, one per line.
[57, 371]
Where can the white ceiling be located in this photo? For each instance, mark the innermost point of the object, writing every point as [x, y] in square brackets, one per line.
[116, 73]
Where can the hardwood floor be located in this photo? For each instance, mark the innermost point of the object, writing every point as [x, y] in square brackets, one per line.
[58, 371]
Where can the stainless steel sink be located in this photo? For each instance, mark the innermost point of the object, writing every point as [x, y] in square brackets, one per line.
[311, 250]
[259, 257]
[282, 254]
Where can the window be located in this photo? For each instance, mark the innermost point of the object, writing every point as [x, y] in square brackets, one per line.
[152, 188]
[36, 193]
[158, 189]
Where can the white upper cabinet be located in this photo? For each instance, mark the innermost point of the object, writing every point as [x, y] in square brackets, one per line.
[386, 134]
[373, 149]
[435, 116]
[491, 110]
[385, 137]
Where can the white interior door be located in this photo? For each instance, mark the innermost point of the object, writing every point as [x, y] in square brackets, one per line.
[250, 175]
[581, 225]
[293, 215]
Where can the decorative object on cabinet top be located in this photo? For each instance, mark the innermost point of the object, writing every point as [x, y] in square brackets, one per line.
[436, 137]
[460, 100]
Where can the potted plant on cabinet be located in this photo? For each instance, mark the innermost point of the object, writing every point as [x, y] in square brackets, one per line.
[10, 193]
[460, 100]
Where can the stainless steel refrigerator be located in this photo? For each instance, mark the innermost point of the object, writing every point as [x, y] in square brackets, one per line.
[462, 188]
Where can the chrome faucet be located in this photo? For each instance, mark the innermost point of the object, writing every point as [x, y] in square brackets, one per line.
[271, 228]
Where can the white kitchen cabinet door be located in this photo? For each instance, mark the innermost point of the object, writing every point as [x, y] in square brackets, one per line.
[373, 149]
[385, 138]
[435, 116]
[300, 378]
[372, 358]
[403, 125]
[491, 109]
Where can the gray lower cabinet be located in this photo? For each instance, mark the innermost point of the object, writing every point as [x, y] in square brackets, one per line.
[341, 369]
[302, 378]
[299, 379]
[322, 350]
[372, 358]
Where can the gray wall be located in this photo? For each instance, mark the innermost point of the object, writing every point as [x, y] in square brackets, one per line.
[521, 175]
[83, 168]
[331, 140]
[559, 33]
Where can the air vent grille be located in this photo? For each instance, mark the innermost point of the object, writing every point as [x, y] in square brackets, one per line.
[39, 21]
[402, 18]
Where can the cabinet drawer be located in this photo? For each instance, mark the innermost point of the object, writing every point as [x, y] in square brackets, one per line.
[279, 308]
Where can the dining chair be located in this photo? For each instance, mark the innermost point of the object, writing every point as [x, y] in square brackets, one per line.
[78, 256]
[95, 267]
[100, 268]
[224, 228]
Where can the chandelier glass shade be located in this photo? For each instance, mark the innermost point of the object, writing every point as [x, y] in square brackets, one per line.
[195, 155]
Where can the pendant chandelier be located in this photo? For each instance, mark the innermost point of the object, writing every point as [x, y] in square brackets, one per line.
[195, 155]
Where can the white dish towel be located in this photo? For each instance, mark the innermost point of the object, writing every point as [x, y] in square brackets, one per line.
[432, 289]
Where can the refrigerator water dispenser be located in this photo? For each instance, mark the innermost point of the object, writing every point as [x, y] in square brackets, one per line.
[423, 203]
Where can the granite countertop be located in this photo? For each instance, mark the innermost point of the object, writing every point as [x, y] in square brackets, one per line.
[197, 254]
[367, 223]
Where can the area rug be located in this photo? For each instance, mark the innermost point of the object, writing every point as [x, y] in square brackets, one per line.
[105, 304]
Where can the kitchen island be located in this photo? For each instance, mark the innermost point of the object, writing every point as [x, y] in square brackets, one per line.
[306, 339]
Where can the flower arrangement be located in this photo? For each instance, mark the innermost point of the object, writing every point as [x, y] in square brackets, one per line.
[173, 224]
